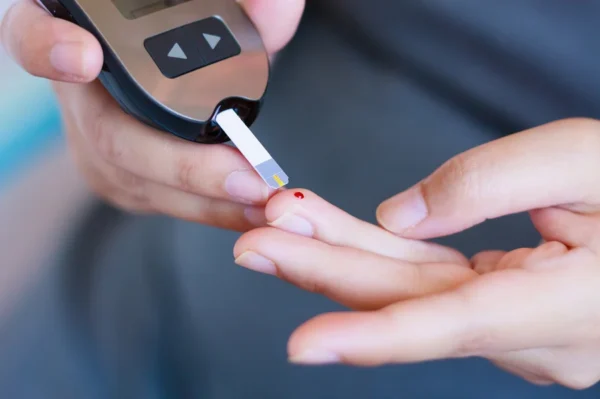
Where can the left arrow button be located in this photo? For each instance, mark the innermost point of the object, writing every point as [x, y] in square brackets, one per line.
[174, 52]
[177, 52]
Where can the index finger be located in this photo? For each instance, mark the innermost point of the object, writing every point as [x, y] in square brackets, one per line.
[217, 171]
[305, 213]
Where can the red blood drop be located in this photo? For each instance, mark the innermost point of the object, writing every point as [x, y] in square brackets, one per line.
[299, 195]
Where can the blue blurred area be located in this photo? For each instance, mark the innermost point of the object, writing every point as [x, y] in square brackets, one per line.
[29, 117]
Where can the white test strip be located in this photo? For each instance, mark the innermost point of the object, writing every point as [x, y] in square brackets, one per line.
[252, 149]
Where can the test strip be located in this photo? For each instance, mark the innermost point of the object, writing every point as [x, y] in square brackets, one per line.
[252, 149]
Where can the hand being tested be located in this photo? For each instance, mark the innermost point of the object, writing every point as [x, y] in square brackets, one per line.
[327, 251]
[534, 311]
[126, 162]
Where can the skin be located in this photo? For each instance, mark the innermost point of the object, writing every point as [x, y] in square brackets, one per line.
[127, 163]
[534, 312]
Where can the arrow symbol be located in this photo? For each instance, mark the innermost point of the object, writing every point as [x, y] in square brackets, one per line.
[177, 52]
[212, 40]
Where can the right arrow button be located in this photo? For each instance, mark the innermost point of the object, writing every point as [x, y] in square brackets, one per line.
[214, 40]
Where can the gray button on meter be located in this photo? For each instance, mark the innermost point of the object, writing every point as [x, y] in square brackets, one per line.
[191, 47]
[176, 64]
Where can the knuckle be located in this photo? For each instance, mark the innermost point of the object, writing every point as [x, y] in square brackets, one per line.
[186, 171]
[457, 168]
[466, 171]
[459, 174]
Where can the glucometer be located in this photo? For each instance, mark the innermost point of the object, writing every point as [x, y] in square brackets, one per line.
[187, 67]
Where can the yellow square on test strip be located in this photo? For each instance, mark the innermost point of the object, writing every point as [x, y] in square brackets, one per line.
[252, 149]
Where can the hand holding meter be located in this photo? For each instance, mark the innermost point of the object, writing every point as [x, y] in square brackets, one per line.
[176, 65]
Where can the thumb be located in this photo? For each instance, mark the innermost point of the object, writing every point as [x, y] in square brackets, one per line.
[553, 165]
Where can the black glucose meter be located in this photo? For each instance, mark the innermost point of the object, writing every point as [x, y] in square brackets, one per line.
[176, 64]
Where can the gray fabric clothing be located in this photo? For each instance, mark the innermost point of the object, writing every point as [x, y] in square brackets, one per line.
[368, 99]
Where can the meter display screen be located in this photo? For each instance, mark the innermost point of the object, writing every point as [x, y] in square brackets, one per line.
[132, 9]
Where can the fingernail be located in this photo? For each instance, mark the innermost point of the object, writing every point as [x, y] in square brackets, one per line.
[294, 224]
[256, 216]
[404, 211]
[69, 58]
[255, 262]
[246, 186]
[315, 357]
